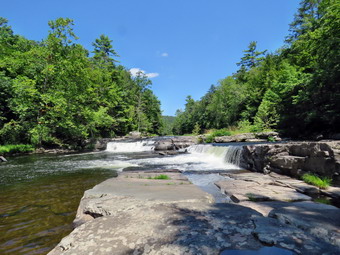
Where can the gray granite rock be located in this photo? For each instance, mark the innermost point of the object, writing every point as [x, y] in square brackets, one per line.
[320, 220]
[294, 158]
[133, 214]
[273, 232]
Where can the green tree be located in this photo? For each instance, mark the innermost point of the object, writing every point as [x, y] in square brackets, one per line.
[103, 51]
[251, 57]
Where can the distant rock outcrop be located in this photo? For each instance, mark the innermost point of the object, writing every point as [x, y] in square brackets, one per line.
[248, 137]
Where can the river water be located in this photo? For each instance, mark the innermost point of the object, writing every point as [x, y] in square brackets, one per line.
[39, 194]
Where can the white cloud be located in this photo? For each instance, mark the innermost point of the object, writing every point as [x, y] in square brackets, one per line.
[136, 70]
[165, 54]
[152, 75]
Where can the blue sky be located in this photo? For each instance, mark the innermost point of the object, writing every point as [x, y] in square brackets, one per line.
[183, 45]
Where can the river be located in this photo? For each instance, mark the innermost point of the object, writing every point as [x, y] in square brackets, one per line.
[40, 194]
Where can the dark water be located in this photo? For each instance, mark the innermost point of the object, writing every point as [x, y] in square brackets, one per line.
[39, 196]
[262, 251]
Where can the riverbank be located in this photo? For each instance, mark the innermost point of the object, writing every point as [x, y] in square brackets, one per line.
[134, 214]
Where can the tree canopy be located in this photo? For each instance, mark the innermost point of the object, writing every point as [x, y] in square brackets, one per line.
[295, 90]
[53, 93]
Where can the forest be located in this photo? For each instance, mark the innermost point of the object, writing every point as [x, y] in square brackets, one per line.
[57, 93]
[294, 90]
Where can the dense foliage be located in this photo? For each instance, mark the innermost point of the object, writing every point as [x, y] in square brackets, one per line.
[55, 92]
[16, 148]
[295, 90]
[168, 122]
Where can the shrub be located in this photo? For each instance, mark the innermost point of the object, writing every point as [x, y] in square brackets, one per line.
[197, 129]
[217, 132]
[15, 148]
[209, 139]
[312, 179]
[221, 132]
[323, 201]
[271, 139]
[160, 177]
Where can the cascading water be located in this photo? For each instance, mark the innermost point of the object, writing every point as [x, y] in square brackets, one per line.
[229, 154]
[200, 157]
[122, 147]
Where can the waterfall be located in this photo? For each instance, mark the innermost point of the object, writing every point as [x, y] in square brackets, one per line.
[229, 154]
[138, 146]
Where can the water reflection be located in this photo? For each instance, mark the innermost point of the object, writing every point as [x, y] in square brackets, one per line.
[39, 198]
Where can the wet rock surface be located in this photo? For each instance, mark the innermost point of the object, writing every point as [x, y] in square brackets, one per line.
[137, 214]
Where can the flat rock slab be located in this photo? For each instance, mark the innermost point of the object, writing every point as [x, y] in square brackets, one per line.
[320, 220]
[132, 214]
[241, 190]
[132, 189]
[258, 178]
[306, 227]
[184, 228]
[125, 216]
[298, 185]
[273, 232]
[275, 179]
[140, 185]
[333, 192]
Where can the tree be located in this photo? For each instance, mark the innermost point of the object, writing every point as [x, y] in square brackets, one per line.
[54, 94]
[143, 84]
[305, 19]
[103, 50]
[251, 57]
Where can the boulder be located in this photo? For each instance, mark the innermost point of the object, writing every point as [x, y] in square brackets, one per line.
[135, 135]
[175, 143]
[286, 163]
[96, 144]
[266, 135]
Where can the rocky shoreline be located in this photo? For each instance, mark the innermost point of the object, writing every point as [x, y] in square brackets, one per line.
[136, 214]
